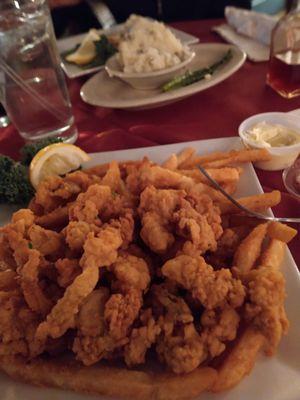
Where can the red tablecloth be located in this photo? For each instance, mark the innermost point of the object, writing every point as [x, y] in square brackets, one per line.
[216, 112]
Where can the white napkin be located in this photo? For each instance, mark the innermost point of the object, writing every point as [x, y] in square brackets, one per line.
[249, 30]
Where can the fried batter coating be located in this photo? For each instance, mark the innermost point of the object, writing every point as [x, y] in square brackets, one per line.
[156, 210]
[17, 327]
[68, 269]
[155, 232]
[101, 250]
[179, 345]
[121, 311]
[90, 319]
[55, 191]
[35, 297]
[112, 178]
[182, 352]
[57, 218]
[14, 237]
[76, 233]
[204, 205]
[131, 272]
[90, 349]
[196, 229]
[125, 224]
[8, 280]
[98, 252]
[93, 341]
[211, 288]
[88, 205]
[14, 243]
[265, 309]
[163, 202]
[141, 339]
[219, 326]
[195, 219]
[24, 214]
[62, 315]
[47, 242]
[7, 260]
[91, 345]
[161, 178]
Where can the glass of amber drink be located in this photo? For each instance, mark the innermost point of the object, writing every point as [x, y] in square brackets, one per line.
[284, 64]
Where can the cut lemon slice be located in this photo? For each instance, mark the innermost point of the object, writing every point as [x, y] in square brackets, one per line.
[86, 52]
[55, 159]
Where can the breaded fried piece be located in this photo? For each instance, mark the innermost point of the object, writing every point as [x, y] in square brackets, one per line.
[110, 381]
[211, 288]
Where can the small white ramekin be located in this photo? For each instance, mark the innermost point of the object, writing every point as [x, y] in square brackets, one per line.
[282, 157]
[146, 80]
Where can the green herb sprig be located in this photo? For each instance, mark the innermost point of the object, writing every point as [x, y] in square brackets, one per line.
[191, 77]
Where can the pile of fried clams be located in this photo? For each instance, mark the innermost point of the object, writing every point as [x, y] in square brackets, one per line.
[135, 259]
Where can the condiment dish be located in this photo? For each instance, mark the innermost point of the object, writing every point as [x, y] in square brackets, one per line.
[283, 156]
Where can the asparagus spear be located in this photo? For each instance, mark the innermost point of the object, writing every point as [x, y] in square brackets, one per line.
[191, 77]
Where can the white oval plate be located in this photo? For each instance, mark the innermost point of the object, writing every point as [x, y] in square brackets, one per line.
[103, 91]
[272, 378]
[73, 71]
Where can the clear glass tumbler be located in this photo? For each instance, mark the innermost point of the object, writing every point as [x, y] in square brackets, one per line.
[32, 84]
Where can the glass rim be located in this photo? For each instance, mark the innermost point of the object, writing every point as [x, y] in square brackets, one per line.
[20, 5]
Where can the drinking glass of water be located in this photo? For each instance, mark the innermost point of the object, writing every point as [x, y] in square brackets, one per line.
[32, 85]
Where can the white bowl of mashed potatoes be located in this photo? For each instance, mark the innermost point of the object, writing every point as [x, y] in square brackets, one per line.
[149, 54]
[278, 132]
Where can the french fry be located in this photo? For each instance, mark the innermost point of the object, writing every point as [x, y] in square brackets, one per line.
[184, 386]
[174, 161]
[219, 159]
[171, 162]
[241, 156]
[240, 360]
[185, 155]
[100, 170]
[249, 249]
[221, 175]
[194, 161]
[273, 255]
[259, 202]
[285, 233]
[108, 380]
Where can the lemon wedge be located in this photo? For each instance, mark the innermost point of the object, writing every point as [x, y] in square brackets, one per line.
[55, 159]
[86, 52]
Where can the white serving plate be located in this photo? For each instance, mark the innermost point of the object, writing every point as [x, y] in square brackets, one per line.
[275, 378]
[72, 71]
[101, 90]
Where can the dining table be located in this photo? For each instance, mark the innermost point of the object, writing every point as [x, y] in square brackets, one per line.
[213, 113]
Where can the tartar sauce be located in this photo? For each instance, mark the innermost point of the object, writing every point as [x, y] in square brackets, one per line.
[273, 135]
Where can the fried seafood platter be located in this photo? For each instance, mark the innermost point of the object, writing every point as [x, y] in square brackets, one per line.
[140, 280]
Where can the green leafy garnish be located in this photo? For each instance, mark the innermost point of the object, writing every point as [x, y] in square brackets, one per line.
[15, 187]
[191, 77]
[30, 245]
[31, 149]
